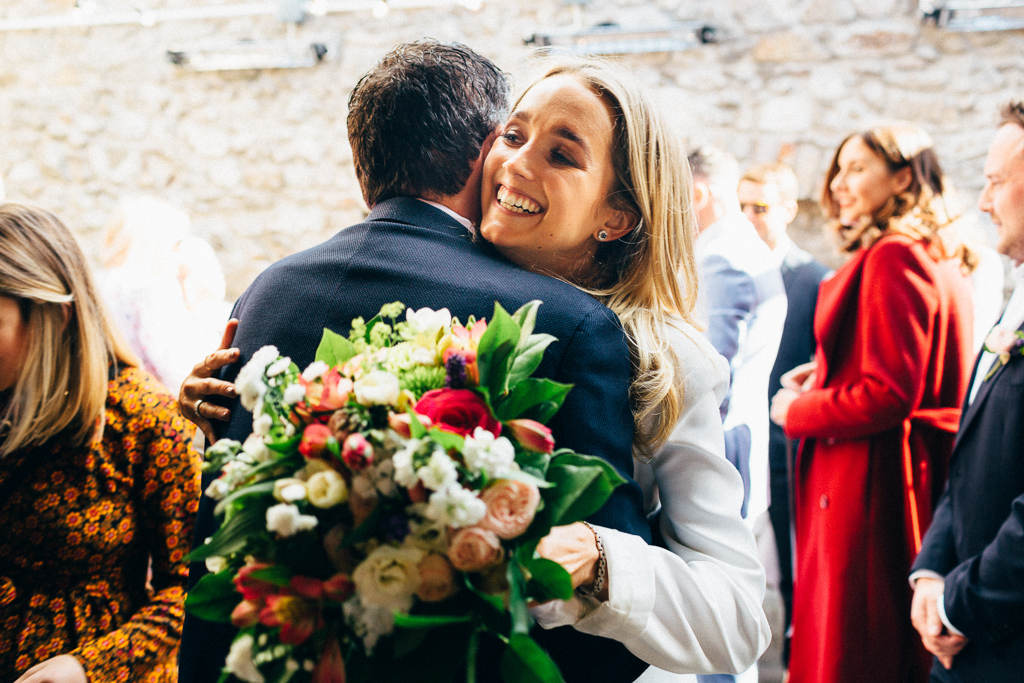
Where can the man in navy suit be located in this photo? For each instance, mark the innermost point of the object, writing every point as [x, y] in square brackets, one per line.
[969, 576]
[768, 197]
[420, 123]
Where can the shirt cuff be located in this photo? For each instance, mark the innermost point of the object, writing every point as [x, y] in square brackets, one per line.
[945, 620]
[925, 574]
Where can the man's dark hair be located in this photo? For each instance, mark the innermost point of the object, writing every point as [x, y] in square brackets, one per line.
[418, 119]
[1013, 113]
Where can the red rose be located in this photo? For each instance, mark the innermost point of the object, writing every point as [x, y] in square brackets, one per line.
[458, 410]
[314, 440]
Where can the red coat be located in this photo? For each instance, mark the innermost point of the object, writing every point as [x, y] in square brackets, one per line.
[894, 329]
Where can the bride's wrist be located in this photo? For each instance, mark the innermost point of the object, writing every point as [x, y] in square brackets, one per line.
[597, 584]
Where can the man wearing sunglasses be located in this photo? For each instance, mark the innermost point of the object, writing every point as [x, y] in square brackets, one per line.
[768, 198]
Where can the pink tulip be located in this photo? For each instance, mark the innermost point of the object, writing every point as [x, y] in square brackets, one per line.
[532, 435]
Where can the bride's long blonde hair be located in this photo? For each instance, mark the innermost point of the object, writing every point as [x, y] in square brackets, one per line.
[649, 277]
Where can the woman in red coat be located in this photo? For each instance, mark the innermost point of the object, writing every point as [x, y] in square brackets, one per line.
[879, 411]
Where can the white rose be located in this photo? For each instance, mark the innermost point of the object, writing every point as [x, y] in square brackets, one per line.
[289, 490]
[439, 472]
[493, 456]
[388, 577]
[455, 506]
[286, 520]
[239, 660]
[378, 388]
[428, 322]
[327, 489]
[217, 489]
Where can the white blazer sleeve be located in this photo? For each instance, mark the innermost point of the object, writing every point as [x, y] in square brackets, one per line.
[695, 607]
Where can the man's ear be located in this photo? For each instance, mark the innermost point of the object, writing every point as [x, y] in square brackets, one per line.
[792, 208]
[701, 195]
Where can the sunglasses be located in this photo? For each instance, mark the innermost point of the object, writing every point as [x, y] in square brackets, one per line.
[757, 207]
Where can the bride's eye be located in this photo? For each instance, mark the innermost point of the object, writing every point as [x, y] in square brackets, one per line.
[561, 158]
[511, 137]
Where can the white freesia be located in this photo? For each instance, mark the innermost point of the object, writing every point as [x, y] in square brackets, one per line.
[278, 366]
[250, 383]
[314, 370]
[439, 472]
[217, 489]
[428, 322]
[239, 660]
[294, 393]
[327, 489]
[423, 356]
[368, 622]
[405, 472]
[378, 388]
[257, 448]
[455, 506]
[215, 564]
[261, 424]
[388, 577]
[286, 520]
[490, 455]
[290, 490]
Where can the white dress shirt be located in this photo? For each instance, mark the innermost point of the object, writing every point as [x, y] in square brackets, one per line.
[695, 607]
[463, 221]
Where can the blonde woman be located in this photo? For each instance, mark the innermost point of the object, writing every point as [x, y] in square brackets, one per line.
[97, 480]
[878, 416]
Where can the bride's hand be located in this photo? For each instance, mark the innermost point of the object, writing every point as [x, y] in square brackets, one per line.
[801, 378]
[574, 546]
[59, 669]
[201, 384]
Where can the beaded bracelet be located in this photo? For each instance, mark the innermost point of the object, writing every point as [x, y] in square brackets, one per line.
[602, 564]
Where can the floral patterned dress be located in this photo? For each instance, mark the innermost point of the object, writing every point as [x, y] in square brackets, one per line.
[78, 529]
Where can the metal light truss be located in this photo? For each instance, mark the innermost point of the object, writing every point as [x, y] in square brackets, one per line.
[263, 54]
[611, 39]
[974, 15]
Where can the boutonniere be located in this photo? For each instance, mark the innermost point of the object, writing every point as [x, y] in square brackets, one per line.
[1004, 342]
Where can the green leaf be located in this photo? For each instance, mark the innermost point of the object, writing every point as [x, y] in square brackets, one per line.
[277, 574]
[495, 349]
[286, 446]
[582, 485]
[364, 532]
[537, 399]
[416, 428]
[262, 488]
[528, 478]
[334, 349]
[447, 440]
[521, 619]
[528, 357]
[214, 597]
[548, 581]
[526, 317]
[234, 534]
[427, 621]
[533, 462]
[524, 661]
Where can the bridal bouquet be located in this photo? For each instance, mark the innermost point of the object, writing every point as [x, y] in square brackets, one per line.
[380, 522]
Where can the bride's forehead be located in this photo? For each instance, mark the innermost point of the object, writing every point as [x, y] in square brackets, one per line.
[563, 102]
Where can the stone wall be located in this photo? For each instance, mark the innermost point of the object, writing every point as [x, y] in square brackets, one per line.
[260, 158]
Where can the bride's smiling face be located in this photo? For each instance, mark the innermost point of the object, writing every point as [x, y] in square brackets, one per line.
[547, 179]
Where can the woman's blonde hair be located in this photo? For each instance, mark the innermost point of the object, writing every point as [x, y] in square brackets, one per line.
[649, 277]
[62, 382]
[920, 211]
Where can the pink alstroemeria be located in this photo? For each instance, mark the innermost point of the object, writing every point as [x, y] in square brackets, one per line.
[331, 667]
[532, 435]
[297, 617]
[251, 587]
[246, 613]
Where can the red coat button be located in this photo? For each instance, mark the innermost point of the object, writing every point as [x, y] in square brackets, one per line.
[823, 502]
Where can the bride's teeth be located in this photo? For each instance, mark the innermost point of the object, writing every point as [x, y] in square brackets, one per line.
[516, 203]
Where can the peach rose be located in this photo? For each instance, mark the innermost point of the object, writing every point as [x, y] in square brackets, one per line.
[511, 505]
[437, 580]
[473, 549]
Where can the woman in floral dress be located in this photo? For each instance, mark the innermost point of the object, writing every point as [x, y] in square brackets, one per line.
[98, 482]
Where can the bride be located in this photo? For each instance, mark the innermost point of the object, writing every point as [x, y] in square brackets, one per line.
[587, 183]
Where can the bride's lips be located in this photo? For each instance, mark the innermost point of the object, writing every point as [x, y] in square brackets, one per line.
[515, 202]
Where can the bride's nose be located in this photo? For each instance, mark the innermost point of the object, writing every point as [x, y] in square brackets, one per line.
[520, 162]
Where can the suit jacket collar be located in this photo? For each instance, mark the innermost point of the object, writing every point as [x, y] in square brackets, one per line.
[414, 212]
[795, 256]
[970, 411]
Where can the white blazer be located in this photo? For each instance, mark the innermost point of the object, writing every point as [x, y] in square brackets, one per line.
[695, 607]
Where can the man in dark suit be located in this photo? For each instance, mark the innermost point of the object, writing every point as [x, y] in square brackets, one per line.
[768, 196]
[969, 576]
[420, 123]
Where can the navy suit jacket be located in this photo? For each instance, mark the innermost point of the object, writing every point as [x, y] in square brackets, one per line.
[976, 539]
[801, 275]
[412, 252]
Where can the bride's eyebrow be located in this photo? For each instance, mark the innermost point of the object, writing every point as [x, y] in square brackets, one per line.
[572, 136]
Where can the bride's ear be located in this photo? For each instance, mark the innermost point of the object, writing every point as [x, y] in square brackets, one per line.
[618, 225]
